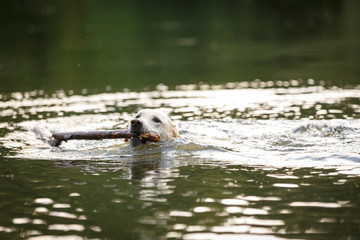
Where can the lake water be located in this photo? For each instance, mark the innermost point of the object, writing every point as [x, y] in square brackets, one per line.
[252, 162]
[266, 96]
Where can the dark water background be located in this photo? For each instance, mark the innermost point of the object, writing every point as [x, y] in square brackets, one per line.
[76, 45]
[266, 95]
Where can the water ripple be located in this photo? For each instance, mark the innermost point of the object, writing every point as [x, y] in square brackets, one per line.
[214, 124]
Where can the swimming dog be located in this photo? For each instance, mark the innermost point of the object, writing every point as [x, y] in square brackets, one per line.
[152, 120]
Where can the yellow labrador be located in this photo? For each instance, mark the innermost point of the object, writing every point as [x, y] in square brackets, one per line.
[155, 121]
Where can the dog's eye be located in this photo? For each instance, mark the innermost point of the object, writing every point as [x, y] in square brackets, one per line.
[137, 116]
[157, 120]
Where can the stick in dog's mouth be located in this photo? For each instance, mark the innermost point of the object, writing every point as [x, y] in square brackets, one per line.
[57, 138]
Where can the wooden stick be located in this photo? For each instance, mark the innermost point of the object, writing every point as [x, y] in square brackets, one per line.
[57, 138]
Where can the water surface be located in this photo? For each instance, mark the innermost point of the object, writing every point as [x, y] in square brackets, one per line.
[259, 163]
[265, 95]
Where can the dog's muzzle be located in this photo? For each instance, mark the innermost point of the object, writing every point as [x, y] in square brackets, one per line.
[136, 126]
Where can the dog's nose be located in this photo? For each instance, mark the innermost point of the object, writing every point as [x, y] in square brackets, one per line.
[136, 123]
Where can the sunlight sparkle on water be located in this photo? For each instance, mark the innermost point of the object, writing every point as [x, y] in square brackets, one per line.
[216, 124]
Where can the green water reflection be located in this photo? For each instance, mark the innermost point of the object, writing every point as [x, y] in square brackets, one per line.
[76, 45]
[174, 202]
[90, 47]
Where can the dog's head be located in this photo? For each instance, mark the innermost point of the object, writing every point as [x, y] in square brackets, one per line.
[152, 120]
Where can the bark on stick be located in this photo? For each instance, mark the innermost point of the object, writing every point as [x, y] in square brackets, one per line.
[57, 138]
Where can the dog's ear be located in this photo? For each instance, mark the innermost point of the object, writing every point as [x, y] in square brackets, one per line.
[175, 132]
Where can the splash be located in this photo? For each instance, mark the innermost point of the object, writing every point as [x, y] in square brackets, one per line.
[294, 126]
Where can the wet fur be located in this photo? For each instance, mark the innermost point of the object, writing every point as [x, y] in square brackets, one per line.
[153, 120]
